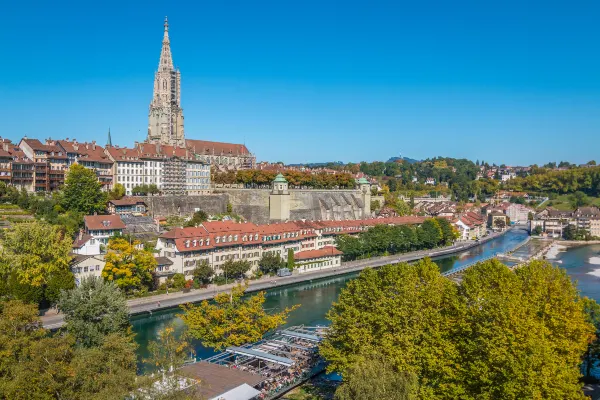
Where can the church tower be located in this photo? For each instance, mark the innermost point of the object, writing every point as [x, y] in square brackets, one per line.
[165, 119]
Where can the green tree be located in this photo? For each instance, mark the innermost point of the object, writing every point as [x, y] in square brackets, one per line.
[592, 354]
[537, 231]
[290, 259]
[203, 272]
[374, 378]
[270, 262]
[13, 288]
[34, 251]
[178, 281]
[198, 218]
[117, 192]
[35, 365]
[94, 310]
[449, 233]
[130, 268]
[235, 269]
[570, 232]
[231, 319]
[579, 199]
[82, 191]
[430, 233]
[483, 338]
[59, 281]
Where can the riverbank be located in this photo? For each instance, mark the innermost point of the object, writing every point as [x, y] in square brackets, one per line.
[151, 304]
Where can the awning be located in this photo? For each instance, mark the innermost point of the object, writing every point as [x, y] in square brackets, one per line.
[260, 355]
[242, 392]
[299, 335]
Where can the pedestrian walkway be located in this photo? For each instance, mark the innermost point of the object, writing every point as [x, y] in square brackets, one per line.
[53, 320]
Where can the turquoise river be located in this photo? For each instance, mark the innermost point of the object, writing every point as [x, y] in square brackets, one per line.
[315, 297]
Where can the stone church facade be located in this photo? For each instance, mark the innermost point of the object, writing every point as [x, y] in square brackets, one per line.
[166, 122]
[165, 119]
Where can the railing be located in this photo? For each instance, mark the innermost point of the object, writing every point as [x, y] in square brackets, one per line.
[456, 271]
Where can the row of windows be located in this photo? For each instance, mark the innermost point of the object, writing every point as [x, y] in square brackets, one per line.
[198, 173]
[78, 270]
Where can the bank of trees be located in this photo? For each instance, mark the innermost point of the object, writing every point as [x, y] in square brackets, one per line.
[385, 239]
[586, 180]
[295, 178]
[93, 358]
[498, 334]
[35, 263]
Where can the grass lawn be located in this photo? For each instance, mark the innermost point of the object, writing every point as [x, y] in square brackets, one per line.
[562, 202]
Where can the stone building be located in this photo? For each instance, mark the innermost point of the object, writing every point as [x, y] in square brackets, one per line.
[166, 122]
[165, 117]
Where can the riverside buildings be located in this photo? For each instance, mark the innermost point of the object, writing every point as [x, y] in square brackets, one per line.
[216, 242]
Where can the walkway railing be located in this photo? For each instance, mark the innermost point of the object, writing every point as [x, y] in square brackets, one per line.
[459, 270]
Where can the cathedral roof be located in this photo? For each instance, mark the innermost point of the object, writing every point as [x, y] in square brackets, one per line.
[205, 147]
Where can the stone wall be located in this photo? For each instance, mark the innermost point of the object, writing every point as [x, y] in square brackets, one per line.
[253, 204]
[304, 204]
[185, 206]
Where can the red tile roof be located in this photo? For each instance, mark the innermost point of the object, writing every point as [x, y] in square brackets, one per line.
[127, 201]
[327, 251]
[225, 232]
[206, 147]
[103, 222]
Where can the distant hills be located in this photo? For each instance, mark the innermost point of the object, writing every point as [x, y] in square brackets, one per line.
[331, 163]
[408, 160]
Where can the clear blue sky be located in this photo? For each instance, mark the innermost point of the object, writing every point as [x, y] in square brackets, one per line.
[513, 82]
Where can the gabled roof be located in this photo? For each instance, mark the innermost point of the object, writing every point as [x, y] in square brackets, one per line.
[205, 147]
[103, 222]
[127, 201]
[79, 242]
[324, 252]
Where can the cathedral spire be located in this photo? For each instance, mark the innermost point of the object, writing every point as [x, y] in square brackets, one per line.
[109, 141]
[166, 61]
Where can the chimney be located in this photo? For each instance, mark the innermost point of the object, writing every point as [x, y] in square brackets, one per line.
[80, 233]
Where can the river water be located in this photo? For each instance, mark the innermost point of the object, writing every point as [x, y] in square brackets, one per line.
[315, 297]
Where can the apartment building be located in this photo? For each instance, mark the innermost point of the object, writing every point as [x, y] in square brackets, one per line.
[553, 222]
[219, 241]
[472, 226]
[89, 155]
[173, 170]
[50, 164]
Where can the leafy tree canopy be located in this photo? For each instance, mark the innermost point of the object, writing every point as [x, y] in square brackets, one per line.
[231, 319]
[35, 251]
[481, 339]
[82, 191]
[128, 267]
[94, 310]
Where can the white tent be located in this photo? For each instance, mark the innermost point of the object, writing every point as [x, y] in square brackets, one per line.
[242, 392]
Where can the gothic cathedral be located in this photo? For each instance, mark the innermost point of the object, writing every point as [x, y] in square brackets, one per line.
[165, 119]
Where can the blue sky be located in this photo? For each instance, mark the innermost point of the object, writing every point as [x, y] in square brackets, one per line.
[513, 82]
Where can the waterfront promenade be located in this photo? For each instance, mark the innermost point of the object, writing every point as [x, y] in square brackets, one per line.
[52, 320]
